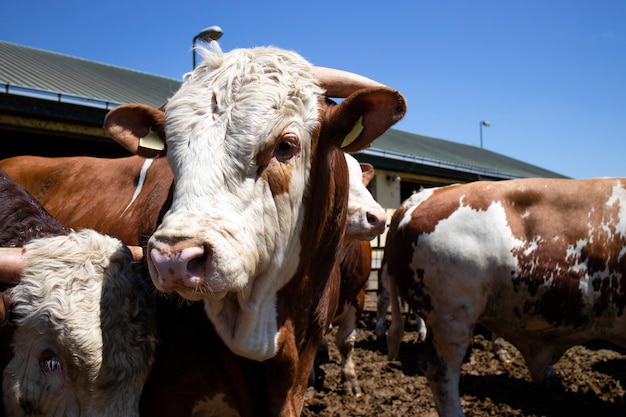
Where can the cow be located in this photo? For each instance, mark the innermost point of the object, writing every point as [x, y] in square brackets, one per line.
[66, 351]
[498, 346]
[22, 219]
[259, 203]
[538, 261]
[151, 179]
[366, 220]
[149, 184]
[267, 199]
[122, 197]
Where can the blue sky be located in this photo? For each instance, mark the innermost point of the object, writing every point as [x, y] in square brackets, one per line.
[549, 75]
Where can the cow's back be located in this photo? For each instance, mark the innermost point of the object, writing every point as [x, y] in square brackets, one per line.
[539, 262]
[96, 193]
[537, 241]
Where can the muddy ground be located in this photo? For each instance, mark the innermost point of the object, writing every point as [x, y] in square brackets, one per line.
[593, 380]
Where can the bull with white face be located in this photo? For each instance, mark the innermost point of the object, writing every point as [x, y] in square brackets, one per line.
[239, 142]
[258, 210]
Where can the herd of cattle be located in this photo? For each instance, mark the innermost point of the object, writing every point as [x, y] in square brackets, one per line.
[199, 276]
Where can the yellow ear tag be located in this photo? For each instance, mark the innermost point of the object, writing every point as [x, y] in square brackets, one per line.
[354, 133]
[152, 141]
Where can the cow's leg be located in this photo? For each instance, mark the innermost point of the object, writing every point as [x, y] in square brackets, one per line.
[497, 346]
[421, 328]
[441, 359]
[346, 337]
[382, 303]
[396, 328]
[317, 375]
[539, 360]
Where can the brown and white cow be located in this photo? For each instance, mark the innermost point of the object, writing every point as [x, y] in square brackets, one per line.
[498, 346]
[150, 180]
[261, 184]
[121, 197]
[366, 220]
[259, 203]
[538, 261]
[67, 351]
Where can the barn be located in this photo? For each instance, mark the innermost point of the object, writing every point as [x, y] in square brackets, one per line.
[54, 105]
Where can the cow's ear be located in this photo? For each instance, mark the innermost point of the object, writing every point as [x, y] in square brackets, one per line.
[362, 117]
[138, 128]
[368, 172]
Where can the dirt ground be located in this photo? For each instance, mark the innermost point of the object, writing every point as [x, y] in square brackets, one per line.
[593, 379]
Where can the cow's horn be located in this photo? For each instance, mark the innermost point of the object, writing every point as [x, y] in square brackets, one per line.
[11, 265]
[341, 84]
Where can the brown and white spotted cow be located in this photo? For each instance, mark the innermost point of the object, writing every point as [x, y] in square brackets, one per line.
[498, 346]
[257, 215]
[541, 262]
[82, 333]
[366, 220]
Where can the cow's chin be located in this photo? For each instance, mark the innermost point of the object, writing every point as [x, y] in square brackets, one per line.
[197, 296]
[248, 332]
[246, 324]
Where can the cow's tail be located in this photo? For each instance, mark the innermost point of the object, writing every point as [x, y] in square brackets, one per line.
[396, 328]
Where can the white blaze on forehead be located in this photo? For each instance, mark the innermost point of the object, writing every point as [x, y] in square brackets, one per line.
[233, 108]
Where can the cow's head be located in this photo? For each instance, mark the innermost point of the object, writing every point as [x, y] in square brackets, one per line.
[256, 151]
[366, 218]
[71, 351]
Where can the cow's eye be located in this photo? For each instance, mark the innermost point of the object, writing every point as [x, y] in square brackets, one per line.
[286, 148]
[50, 362]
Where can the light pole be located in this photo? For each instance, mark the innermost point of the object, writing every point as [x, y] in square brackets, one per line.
[212, 33]
[481, 124]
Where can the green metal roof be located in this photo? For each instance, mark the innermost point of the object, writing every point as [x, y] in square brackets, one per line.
[423, 154]
[30, 71]
[53, 76]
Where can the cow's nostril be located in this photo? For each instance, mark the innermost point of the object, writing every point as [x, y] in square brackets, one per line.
[196, 266]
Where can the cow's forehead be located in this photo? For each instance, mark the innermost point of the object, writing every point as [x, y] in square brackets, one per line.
[354, 169]
[247, 89]
[234, 108]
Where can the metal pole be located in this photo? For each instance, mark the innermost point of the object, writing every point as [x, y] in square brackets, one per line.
[212, 33]
[193, 48]
[480, 124]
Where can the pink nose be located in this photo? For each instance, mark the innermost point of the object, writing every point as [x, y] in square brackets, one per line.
[184, 268]
[377, 219]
